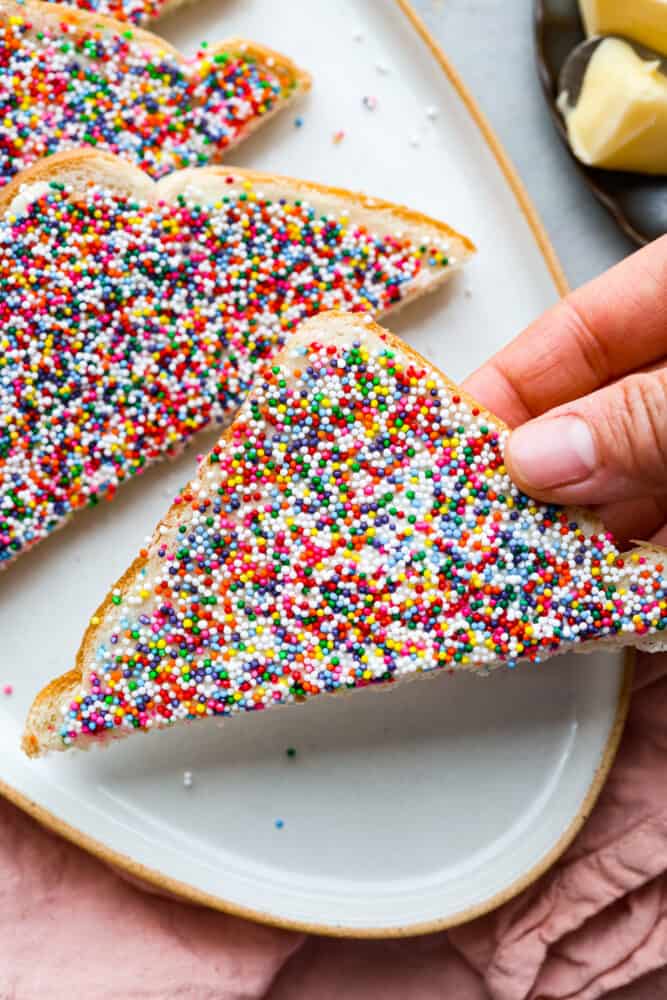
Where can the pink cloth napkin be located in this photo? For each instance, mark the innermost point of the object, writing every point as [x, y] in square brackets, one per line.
[595, 926]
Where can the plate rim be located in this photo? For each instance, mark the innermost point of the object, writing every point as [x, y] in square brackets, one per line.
[172, 887]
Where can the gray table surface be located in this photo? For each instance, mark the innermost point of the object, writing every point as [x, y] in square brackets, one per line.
[491, 44]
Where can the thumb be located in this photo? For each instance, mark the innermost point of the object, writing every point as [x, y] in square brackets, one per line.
[608, 446]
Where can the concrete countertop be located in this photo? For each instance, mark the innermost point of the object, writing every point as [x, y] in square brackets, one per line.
[491, 44]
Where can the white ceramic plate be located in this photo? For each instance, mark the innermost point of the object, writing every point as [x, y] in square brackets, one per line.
[404, 811]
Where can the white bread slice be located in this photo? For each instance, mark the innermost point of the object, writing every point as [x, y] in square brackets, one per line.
[406, 550]
[215, 388]
[137, 122]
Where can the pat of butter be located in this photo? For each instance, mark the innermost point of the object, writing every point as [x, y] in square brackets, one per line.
[27, 194]
[643, 21]
[619, 120]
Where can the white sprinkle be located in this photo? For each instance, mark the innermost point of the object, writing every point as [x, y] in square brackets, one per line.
[432, 112]
[187, 779]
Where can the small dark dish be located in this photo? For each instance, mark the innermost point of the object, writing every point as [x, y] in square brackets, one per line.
[638, 202]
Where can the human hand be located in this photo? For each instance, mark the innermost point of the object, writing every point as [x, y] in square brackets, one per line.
[586, 386]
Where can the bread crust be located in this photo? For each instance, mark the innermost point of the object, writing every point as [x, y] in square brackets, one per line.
[171, 6]
[124, 177]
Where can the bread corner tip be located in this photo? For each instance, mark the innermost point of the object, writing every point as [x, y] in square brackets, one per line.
[30, 745]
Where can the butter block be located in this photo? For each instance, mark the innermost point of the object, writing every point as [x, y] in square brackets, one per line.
[643, 21]
[613, 97]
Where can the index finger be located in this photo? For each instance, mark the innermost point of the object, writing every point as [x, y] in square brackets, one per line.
[607, 328]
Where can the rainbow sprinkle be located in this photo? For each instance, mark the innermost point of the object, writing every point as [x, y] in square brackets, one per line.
[126, 327]
[62, 87]
[357, 527]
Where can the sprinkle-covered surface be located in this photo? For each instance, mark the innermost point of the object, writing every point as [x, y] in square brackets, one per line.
[65, 85]
[126, 327]
[355, 526]
[134, 11]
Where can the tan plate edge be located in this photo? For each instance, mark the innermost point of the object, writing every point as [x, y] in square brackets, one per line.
[191, 895]
[188, 894]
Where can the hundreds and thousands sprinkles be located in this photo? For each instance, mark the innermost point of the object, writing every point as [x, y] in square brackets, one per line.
[63, 86]
[355, 526]
[126, 327]
[134, 11]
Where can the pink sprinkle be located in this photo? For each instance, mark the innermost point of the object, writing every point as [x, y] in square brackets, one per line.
[8, 689]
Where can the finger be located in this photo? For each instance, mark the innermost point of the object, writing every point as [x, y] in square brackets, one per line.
[651, 667]
[490, 387]
[611, 445]
[630, 520]
[609, 327]
[660, 537]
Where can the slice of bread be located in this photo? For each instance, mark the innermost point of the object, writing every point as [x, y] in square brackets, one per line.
[135, 313]
[70, 78]
[355, 525]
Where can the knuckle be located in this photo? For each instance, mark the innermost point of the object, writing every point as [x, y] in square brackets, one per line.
[640, 431]
[593, 353]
